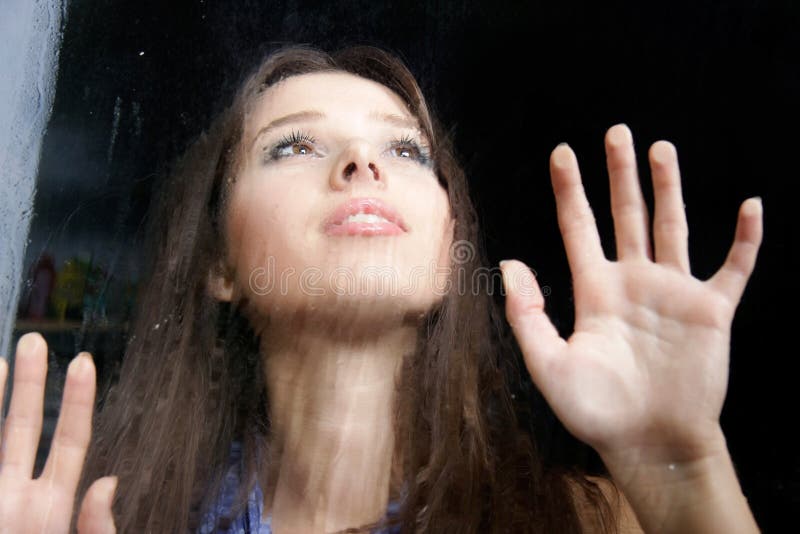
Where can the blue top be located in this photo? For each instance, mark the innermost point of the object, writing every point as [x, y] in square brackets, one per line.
[249, 521]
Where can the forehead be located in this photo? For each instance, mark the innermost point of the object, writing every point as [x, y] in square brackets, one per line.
[329, 92]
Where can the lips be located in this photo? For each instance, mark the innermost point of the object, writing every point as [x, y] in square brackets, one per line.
[337, 223]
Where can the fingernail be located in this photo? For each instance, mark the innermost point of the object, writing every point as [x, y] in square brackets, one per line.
[28, 342]
[751, 209]
[620, 135]
[81, 363]
[561, 158]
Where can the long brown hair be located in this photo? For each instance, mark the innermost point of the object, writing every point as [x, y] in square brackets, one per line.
[192, 381]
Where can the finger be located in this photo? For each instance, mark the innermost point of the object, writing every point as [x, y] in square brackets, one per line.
[96, 515]
[537, 337]
[24, 424]
[74, 427]
[575, 218]
[670, 230]
[631, 224]
[732, 277]
[3, 376]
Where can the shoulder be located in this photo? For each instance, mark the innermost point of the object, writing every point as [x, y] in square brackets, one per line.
[624, 515]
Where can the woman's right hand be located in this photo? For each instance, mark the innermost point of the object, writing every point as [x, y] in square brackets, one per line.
[45, 504]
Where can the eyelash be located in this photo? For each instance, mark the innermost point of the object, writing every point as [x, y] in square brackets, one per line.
[297, 137]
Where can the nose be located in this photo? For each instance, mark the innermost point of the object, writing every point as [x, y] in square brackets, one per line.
[358, 162]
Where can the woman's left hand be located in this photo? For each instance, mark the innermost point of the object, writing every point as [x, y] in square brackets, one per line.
[644, 375]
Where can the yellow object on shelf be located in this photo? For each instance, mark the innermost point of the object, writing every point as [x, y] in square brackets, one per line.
[68, 292]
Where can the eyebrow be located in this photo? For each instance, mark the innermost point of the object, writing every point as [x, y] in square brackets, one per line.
[402, 121]
[316, 115]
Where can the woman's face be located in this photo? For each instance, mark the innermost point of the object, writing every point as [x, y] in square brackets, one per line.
[319, 149]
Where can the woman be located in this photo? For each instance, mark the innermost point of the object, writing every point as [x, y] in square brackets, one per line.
[262, 331]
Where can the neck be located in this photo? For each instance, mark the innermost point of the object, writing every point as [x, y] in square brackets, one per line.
[331, 399]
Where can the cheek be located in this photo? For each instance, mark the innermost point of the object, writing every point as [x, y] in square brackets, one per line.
[267, 229]
[426, 258]
[447, 252]
[444, 225]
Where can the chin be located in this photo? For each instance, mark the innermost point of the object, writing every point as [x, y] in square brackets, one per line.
[347, 310]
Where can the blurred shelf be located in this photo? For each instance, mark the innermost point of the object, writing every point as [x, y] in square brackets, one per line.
[51, 325]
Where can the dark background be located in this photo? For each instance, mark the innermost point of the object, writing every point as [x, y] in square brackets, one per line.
[138, 79]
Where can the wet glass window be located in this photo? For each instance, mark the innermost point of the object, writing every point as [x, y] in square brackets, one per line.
[99, 101]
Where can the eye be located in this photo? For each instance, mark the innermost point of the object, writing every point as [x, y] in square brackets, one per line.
[295, 144]
[405, 152]
[408, 148]
[296, 149]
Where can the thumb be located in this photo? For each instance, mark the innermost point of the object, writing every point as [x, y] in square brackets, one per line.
[95, 515]
[537, 337]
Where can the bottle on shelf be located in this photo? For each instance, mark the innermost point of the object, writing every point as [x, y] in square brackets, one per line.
[42, 281]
